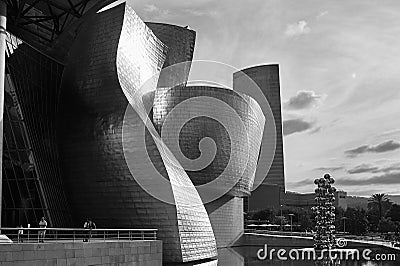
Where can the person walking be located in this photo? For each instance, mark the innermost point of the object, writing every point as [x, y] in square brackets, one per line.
[42, 233]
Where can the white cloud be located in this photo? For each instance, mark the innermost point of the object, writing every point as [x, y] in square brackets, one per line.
[150, 8]
[304, 100]
[200, 13]
[156, 12]
[390, 132]
[297, 29]
[323, 13]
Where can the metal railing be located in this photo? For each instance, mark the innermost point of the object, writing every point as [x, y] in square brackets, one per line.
[35, 235]
[282, 233]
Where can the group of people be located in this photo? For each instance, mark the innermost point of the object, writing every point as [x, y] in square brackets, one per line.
[41, 233]
[89, 225]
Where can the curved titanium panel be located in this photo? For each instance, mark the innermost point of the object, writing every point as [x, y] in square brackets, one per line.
[180, 42]
[195, 130]
[114, 54]
[196, 236]
[227, 220]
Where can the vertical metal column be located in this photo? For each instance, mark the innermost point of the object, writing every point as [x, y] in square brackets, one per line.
[3, 19]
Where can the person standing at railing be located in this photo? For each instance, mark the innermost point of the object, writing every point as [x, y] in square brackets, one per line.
[42, 233]
[86, 227]
[20, 234]
[92, 226]
[89, 225]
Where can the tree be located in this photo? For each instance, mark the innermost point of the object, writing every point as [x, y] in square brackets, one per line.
[305, 220]
[357, 222]
[394, 213]
[266, 215]
[302, 218]
[280, 220]
[339, 214]
[386, 225]
[379, 203]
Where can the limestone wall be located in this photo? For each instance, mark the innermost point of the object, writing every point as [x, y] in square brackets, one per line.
[79, 253]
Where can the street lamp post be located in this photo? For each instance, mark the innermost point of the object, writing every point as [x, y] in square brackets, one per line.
[344, 224]
[281, 218]
[291, 222]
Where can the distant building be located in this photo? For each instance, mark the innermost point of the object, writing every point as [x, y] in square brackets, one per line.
[267, 78]
[357, 202]
[294, 199]
[341, 199]
[267, 195]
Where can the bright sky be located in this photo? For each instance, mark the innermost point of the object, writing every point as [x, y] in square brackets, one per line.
[339, 63]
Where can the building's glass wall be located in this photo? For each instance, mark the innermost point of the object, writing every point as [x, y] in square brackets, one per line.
[32, 186]
[22, 201]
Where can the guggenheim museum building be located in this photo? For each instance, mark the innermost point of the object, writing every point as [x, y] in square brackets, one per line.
[100, 121]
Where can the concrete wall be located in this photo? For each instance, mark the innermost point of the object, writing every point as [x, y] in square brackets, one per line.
[78, 253]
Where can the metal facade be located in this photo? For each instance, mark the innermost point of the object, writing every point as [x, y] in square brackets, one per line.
[113, 56]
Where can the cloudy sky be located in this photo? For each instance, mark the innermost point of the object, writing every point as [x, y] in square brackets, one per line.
[340, 78]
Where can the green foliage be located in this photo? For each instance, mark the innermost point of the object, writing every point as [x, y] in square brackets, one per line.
[386, 225]
[302, 218]
[378, 205]
[381, 216]
[394, 213]
[356, 222]
[305, 220]
[279, 219]
[266, 215]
